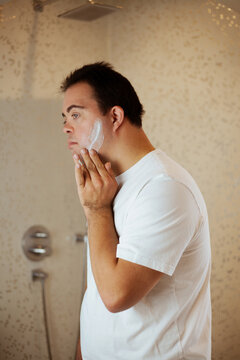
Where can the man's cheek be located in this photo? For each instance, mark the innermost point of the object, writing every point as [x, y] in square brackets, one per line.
[83, 138]
[92, 138]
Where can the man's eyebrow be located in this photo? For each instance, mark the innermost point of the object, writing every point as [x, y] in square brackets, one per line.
[71, 107]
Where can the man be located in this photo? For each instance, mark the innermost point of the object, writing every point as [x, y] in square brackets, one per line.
[148, 291]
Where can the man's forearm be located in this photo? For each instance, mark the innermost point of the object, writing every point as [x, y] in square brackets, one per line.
[103, 240]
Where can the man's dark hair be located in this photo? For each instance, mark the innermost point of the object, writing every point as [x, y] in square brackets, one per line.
[110, 89]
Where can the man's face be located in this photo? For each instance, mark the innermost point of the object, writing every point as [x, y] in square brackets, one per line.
[80, 113]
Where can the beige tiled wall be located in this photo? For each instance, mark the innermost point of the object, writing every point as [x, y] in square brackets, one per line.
[182, 56]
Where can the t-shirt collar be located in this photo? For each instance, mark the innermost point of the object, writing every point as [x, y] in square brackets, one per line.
[134, 168]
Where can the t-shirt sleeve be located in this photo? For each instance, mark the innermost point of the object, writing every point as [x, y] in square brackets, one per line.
[159, 225]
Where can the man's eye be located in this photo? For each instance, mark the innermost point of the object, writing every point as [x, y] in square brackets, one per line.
[75, 115]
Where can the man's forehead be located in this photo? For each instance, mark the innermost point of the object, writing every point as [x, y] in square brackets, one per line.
[73, 101]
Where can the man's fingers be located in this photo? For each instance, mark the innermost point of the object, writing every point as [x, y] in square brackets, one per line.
[79, 171]
[77, 161]
[79, 175]
[90, 165]
[98, 163]
[109, 169]
[94, 168]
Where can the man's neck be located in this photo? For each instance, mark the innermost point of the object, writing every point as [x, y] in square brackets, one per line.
[130, 152]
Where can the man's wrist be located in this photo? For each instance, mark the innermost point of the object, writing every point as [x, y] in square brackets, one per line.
[93, 213]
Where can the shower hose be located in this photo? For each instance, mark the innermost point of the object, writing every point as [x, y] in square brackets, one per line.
[41, 275]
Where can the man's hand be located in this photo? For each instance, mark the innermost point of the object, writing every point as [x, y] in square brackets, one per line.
[96, 182]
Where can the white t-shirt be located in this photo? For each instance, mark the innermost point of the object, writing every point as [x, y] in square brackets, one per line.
[162, 223]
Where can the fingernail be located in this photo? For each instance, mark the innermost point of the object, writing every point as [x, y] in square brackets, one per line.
[83, 151]
[92, 152]
[75, 156]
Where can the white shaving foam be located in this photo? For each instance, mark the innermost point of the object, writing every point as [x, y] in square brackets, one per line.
[96, 137]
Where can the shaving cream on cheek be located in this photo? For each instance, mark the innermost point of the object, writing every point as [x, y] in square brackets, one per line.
[96, 137]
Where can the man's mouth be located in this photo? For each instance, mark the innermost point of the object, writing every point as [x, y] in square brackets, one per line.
[71, 143]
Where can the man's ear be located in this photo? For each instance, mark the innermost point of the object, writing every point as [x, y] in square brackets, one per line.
[117, 116]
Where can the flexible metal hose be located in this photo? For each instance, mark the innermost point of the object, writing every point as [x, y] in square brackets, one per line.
[38, 274]
[45, 319]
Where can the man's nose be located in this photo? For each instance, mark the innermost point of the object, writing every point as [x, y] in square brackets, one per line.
[67, 129]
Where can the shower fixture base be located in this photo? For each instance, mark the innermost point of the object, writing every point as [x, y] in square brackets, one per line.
[89, 11]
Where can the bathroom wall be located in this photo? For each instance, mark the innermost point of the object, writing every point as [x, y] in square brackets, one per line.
[37, 177]
[182, 57]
